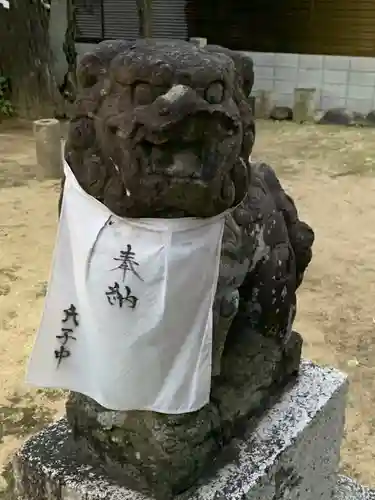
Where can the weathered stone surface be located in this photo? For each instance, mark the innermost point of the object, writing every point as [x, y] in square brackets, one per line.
[292, 453]
[264, 104]
[341, 116]
[168, 146]
[304, 105]
[244, 81]
[171, 452]
[318, 115]
[281, 113]
[347, 489]
[47, 134]
[164, 129]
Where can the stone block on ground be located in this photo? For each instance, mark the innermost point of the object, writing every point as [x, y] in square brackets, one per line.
[293, 453]
[47, 134]
[281, 113]
[342, 116]
[263, 103]
[304, 105]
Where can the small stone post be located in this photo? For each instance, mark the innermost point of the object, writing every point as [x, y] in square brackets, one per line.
[200, 42]
[47, 134]
[304, 105]
[263, 103]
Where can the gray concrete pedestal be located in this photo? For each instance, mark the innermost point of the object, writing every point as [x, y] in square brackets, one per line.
[292, 454]
[347, 489]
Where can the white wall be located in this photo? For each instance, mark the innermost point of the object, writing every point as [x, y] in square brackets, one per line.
[340, 81]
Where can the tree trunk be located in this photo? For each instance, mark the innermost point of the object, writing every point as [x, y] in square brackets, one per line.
[145, 18]
[25, 58]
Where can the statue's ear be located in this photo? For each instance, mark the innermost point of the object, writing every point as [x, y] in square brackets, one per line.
[94, 65]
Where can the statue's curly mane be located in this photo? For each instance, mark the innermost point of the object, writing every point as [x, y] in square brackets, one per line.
[94, 168]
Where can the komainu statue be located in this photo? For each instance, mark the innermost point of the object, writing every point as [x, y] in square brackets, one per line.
[164, 129]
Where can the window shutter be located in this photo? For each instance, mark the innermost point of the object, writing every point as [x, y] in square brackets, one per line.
[89, 20]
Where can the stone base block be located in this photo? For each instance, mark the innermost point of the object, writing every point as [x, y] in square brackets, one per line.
[292, 454]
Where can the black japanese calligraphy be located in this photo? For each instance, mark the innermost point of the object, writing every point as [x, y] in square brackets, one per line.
[66, 335]
[127, 263]
[115, 296]
[130, 298]
[71, 313]
[61, 354]
[69, 323]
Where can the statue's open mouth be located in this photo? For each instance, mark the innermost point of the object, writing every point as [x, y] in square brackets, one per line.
[174, 160]
[194, 165]
[195, 161]
[190, 148]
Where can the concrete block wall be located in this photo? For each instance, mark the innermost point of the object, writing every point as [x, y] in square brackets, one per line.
[340, 81]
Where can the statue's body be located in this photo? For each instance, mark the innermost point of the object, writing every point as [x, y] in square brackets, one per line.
[163, 129]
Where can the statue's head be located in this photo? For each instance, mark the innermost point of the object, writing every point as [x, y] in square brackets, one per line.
[158, 130]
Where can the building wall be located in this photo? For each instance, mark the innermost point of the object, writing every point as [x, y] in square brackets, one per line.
[329, 27]
[336, 27]
[341, 81]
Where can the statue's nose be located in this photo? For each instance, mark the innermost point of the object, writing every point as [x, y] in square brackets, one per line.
[178, 101]
[171, 108]
[180, 105]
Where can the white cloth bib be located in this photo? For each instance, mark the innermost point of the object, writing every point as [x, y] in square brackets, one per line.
[128, 315]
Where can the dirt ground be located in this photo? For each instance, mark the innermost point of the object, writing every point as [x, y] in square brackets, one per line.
[330, 171]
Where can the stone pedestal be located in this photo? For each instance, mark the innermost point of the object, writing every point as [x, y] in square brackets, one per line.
[304, 105]
[263, 104]
[293, 453]
[347, 489]
[47, 134]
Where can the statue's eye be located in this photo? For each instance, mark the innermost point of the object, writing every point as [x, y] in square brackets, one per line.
[142, 94]
[214, 94]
